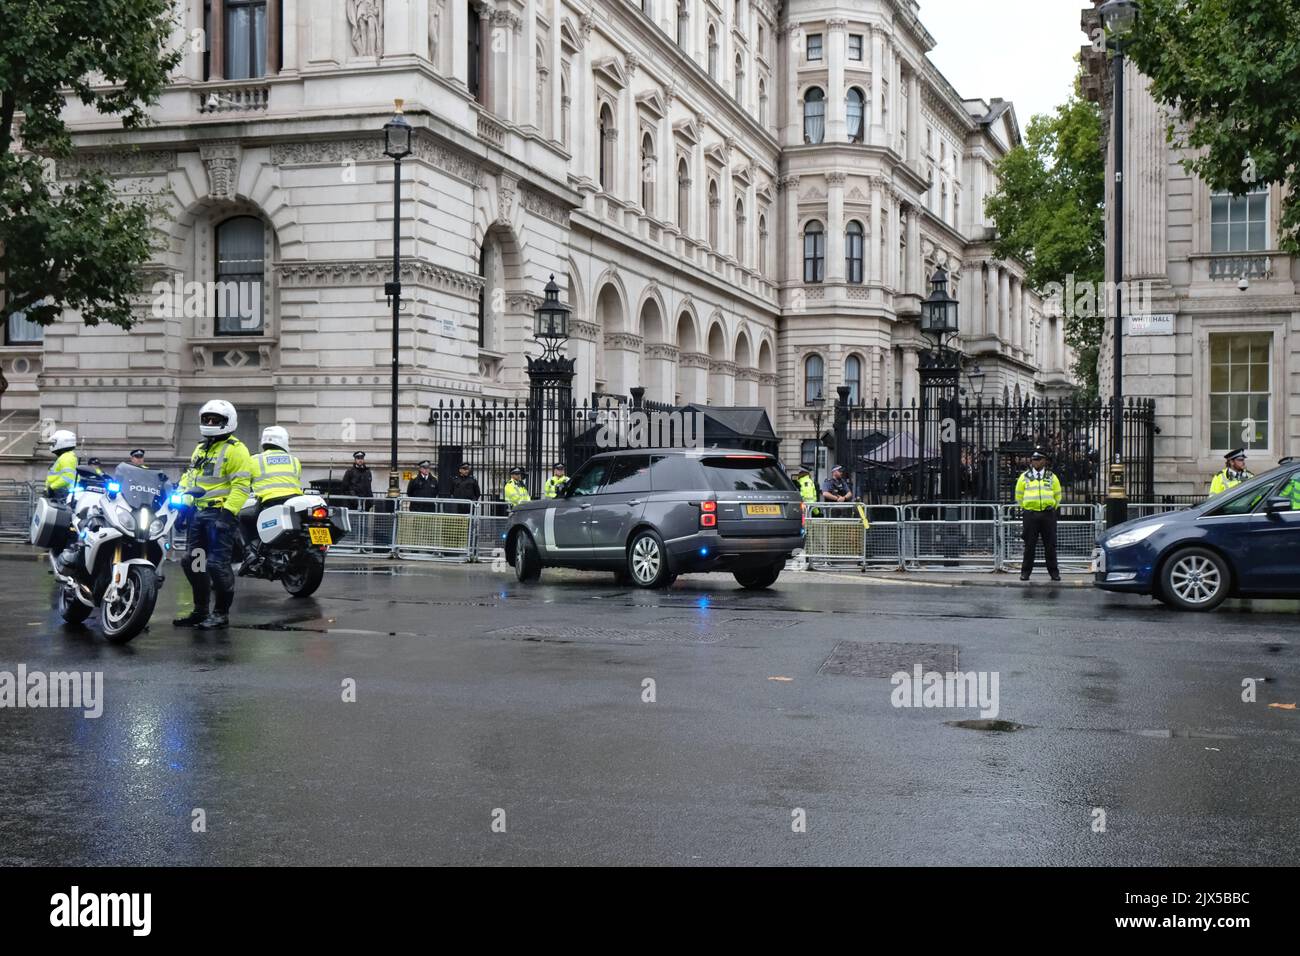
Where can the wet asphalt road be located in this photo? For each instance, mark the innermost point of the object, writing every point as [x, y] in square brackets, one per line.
[478, 698]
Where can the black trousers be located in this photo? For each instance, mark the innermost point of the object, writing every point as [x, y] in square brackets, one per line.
[1040, 524]
[207, 561]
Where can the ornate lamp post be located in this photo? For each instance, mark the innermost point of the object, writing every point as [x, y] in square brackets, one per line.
[1118, 17]
[940, 374]
[550, 382]
[397, 146]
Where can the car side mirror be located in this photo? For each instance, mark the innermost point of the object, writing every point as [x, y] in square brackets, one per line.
[1278, 505]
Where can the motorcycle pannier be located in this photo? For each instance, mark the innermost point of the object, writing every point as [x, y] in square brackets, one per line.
[51, 524]
[274, 522]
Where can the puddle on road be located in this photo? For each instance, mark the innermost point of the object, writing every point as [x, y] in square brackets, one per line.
[995, 726]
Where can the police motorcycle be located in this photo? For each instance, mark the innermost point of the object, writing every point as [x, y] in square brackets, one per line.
[288, 541]
[107, 544]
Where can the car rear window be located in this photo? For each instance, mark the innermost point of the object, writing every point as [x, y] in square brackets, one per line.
[745, 473]
[675, 473]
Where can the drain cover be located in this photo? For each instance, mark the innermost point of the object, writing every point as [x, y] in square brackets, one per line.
[858, 659]
[997, 726]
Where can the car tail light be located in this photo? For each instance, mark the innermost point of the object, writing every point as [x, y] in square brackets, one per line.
[320, 512]
[708, 514]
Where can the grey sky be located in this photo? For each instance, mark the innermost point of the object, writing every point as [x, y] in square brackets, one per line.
[1020, 50]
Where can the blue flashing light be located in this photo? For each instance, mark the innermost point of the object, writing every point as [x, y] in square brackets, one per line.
[177, 498]
[114, 487]
[704, 552]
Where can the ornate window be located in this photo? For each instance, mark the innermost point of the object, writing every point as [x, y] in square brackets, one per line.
[814, 47]
[855, 113]
[713, 52]
[244, 38]
[814, 252]
[762, 245]
[814, 377]
[683, 196]
[683, 24]
[648, 175]
[1240, 390]
[739, 251]
[474, 50]
[715, 206]
[241, 268]
[608, 134]
[853, 378]
[740, 78]
[814, 115]
[1239, 224]
[853, 245]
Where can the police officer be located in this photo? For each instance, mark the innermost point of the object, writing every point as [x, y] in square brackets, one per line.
[555, 484]
[836, 489]
[515, 491]
[1233, 474]
[464, 487]
[1038, 493]
[137, 457]
[220, 467]
[807, 487]
[423, 485]
[274, 475]
[63, 473]
[357, 483]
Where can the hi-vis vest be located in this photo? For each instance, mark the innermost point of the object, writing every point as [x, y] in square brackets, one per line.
[807, 488]
[1038, 494]
[1222, 482]
[63, 473]
[275, 474]
[222, 471]
[553, 485]
[514, 493]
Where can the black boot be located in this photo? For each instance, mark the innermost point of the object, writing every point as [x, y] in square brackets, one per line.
[216, 621]
[192, 619]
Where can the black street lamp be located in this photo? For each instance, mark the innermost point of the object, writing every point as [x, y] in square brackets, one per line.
[818, 406]
[551, 322]
[550, 387]
[397, 146]
[940, 375]
[1118, 17]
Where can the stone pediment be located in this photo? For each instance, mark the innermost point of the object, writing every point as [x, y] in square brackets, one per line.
[687, 131]
[651, 102]
[716, 153]
[610, 70]
[570, 38]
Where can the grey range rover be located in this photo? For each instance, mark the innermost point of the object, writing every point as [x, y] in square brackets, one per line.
[649, 515]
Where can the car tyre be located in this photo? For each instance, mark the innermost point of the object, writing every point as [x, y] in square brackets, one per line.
[1194, 579]
[647, 561]
[528, 563]
[756, 579]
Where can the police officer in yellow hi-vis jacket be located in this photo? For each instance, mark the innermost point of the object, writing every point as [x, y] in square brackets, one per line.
[220, 467]
[63, 473]
[275, 475]
[1038, 493]
[1233, 474]
[515, 490]
[555, 484]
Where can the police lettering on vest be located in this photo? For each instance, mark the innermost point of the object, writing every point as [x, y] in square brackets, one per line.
[275, 475]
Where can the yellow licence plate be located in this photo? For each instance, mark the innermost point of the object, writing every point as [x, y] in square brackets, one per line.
[763, 510]
[320, 535]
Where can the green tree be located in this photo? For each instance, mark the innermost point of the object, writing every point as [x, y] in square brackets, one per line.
[1229, 71]
[73, 244]
[1049, 212]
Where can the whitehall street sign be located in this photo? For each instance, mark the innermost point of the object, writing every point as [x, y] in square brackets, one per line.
[1152, 324]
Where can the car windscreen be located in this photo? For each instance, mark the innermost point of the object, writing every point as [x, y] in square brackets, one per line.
[746, 473]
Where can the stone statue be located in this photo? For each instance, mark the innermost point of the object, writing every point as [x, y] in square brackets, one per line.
[435, 29]
[366, 17]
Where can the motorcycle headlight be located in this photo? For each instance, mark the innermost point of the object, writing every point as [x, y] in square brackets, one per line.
[125, 519]
[157, 525]
[1134, 536]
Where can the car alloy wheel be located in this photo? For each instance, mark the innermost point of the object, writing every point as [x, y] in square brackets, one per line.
[1195, 579]
[647, 560]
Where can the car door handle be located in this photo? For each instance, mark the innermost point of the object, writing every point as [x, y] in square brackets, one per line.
[585, 507]
[634, 501]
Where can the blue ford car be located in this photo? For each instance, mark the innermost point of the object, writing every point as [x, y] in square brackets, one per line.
[1242, 543]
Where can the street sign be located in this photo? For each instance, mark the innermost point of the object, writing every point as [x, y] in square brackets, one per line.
[1152, 324]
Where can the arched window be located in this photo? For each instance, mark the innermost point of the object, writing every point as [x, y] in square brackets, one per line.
[608, 133]
[648, 174]
[855, 113]
[543, 104]
[714, 212]
[683, 196]
[814, 115]
[814, 376]
[474, 52]
[814, 252]
[853, 378]
[740, 79]
[739, 251]
[484, 253]
[241, 267]
[853, 252]
[762, 245]
[683, 24]
[564, 109]
[762, 103]
[713, 52]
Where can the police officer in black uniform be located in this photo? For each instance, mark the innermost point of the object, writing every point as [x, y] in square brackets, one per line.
[423, 485]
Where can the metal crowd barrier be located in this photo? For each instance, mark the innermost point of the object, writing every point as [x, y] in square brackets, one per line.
[834, 536]
[491, 519]
[883, 541]
[1077, 527]
[434, 529]
[373, 521]
[17, 499]
[951, 537]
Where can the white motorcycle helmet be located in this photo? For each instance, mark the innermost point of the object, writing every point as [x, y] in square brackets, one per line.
[63, 440]
[223, 409]
[275, 435]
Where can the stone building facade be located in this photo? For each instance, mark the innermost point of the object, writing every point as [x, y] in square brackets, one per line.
[742, 200]
[1221, 359]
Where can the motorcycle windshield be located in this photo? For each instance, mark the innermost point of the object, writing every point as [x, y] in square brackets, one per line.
[140, 487]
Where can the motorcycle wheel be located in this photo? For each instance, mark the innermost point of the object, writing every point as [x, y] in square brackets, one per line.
[70, 609]
[128, 615]
[304, 576]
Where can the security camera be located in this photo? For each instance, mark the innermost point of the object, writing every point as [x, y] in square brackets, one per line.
[212, 101]
[1243, 284]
